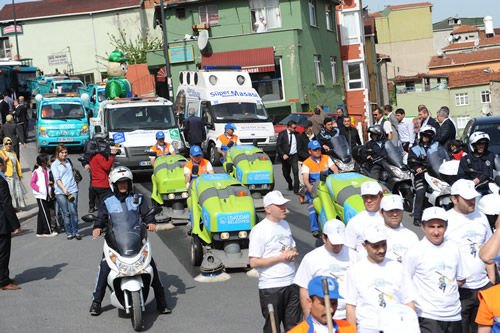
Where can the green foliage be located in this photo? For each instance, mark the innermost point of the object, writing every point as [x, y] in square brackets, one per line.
[393, 98]
[134, 49]
[327, 94]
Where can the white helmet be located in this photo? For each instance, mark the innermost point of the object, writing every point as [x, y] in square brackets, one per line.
[476, 137]
[120, 174]
[427, 130]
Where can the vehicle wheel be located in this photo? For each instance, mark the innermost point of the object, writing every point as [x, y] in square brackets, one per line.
[136, 311]
[213, 155]
[196, 251]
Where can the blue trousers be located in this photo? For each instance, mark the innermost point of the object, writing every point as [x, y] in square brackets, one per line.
[70, 213]
[313, 217]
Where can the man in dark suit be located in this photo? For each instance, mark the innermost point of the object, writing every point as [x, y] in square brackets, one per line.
[426, 118]
[447, 131]
[8, 224]
[287, 152]
[4, 109]
[20, 114]
[350, 133]
[194, 129]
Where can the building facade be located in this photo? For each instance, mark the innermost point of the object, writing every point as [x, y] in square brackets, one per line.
[294, 65]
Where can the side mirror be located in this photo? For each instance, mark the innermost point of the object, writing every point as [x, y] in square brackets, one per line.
[92, 98]
[230, 144]
[229, 167]
[89, 218]
[324, 174]
[196, 169]
[34, 115]
[153, 211]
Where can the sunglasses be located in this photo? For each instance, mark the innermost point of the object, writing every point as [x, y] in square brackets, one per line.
[8, 143]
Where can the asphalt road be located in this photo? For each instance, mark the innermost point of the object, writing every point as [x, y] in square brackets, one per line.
[57, 277]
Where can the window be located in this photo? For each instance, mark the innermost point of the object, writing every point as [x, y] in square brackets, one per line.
[329, 17]
[354, 75]
[317, 70]
[485, 96]
[270, 9]
[350, 28]
[180, 13]
[269, 85]
[312, 13]
[461, 99]
[333, 66]
[209, 14]
[86, 78]
[462, 121]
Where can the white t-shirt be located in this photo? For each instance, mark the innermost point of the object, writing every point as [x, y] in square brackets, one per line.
[435, 270]
[305, 168]
[267, 240]
[386, 125]
[321, 262]
[470, 232]
[354, 231]
[373, 287]
[261, 26]
[398, 242]
[209, 168]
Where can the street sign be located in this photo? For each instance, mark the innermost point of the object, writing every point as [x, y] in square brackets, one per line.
[9, 30]
[58, 59]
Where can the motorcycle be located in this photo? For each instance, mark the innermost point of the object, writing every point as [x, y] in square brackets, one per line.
[488, 204]
[395, 175]
[127, 251]
[341, 154]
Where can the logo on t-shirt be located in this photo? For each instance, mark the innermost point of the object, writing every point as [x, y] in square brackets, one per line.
[442, 281]
[381, 298]
[473, 247]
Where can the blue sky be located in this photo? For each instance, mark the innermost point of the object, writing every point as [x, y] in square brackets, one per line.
[445, 8]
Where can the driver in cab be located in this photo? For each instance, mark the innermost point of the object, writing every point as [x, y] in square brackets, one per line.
[226, 140]
[197, 165]
[120, 181]
[161, 147]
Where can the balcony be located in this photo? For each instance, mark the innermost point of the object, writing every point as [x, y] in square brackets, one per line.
[417, 89]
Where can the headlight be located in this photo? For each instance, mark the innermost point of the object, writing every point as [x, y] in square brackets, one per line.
[184, 195]
[400, 173]
[84, 130]
[134, 268]
[224, 235]
[122, 149]
[273, 138]
[251, 187]
[171, 196]
[242, 234]
[443, 187]
[264, 186]
[43, 131]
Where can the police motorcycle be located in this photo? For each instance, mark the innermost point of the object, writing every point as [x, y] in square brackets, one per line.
[341, 154]
[395, 175]
[127, 251]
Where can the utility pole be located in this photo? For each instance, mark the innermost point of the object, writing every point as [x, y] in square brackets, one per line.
[165, 52]
[15, 28]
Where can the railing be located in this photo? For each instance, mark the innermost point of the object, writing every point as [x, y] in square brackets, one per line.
[406, 90]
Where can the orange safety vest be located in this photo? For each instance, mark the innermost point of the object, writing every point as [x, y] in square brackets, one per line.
[225, 140]
[491, 298]
[343, 326]
[161, 151]
[315, 167]
[203, 166]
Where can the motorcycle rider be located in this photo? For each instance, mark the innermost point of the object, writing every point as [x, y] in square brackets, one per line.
[375, 150]
[478, 166]
[417, 161]
[326, 134]
[120, 181]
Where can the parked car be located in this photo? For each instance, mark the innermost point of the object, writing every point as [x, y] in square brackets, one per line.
[300, 118]
[489, 125]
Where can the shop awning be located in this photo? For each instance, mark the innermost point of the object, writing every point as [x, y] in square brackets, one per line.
[252, 61]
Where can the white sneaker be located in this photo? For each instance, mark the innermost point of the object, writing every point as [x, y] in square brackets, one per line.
[40, 235]
[54, 234]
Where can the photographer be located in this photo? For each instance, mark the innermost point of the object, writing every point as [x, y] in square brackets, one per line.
[99, 158]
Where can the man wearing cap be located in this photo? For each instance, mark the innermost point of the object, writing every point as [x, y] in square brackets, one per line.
[469, 229]
[204, 166]
[272, 252]
[117, 86]
[226, 140]
[316, 320]
[261, 25]
[374, 283]
[311, 169]
[161, 147]
[400, 239]
[332, 259]
[435, 264]
[372, 194]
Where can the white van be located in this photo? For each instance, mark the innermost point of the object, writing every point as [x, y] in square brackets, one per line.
[226, 96]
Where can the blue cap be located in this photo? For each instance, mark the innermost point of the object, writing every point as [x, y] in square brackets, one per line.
[315, 287]
[314, 144]
[160, 135]
[230, 126]
[195, 150]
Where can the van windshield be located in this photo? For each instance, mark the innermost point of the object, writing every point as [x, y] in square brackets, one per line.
[63, 111]
[141, 117]
[68, 87]
[239, 112]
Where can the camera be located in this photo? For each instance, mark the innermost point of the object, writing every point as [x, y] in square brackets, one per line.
[100, 144]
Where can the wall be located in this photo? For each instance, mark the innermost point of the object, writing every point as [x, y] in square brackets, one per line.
[407, 57]
[404, 25]
[495, 97]
[85, 35]
[495, 66]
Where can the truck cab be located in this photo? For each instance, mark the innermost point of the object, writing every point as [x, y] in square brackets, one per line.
[221, 96]
[60, 119]
[132, 123]
[54, 85]
[97, 93]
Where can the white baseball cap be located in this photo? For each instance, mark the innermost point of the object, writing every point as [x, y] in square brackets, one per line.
[464, 188]
[274, 198]
[370, 188]
[375, 233]
[434, 213]
[399, 318]
[335, 231]
[390, 202]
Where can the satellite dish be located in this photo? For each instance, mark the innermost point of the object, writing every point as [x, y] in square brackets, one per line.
[486, 110]
[203, 39]
[476, 42]
[450, 38]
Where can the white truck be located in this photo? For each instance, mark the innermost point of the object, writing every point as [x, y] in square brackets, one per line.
[226, 96]
[132, 123]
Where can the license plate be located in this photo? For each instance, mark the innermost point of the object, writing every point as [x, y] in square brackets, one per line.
[64, 139]
[144, 163]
